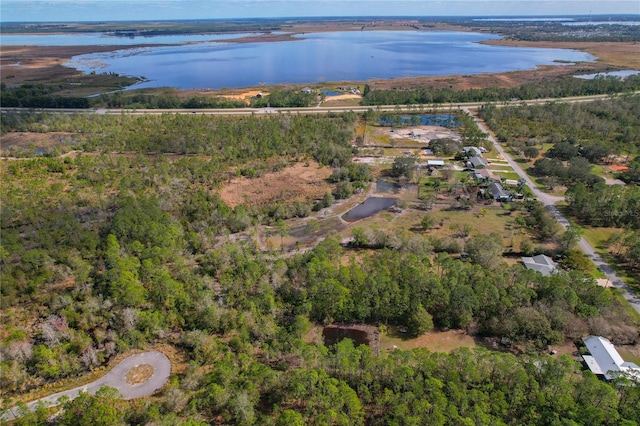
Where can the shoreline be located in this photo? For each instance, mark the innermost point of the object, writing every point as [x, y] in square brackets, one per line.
[45, 64]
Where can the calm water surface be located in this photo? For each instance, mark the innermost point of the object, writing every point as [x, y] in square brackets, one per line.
[313, 58]
[371, 206]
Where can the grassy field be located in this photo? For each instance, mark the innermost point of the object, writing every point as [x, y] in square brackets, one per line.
[598, 238]
[629, 355]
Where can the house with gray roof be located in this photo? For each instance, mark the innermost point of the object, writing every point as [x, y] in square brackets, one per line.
[604, 360]
[476, 162]
[497, 193]
[541, 263]
[472, 151]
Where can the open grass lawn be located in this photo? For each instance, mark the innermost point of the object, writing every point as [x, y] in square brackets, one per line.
[445, 341]
[507, 174]
[494, 220]
[448, 222]
[598, 238]
[629, 354]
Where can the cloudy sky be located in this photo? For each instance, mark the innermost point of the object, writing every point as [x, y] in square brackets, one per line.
[102, 10]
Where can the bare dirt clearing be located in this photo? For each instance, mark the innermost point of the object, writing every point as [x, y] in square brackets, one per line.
[424, 134]
[444, 341]
[35, 140]
[296, 182]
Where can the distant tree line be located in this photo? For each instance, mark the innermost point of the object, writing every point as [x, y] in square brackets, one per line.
[560, 87]
[38, 96]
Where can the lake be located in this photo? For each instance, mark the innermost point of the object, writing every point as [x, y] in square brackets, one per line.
[313, 58]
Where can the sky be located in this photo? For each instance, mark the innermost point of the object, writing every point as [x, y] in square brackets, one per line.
[123, 10]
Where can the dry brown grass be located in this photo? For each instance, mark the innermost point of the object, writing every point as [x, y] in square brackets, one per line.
[38, 140]
[296, 182]
[619, 54]
[139, 374]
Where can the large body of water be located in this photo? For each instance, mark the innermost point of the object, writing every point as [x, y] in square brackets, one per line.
[317, 57]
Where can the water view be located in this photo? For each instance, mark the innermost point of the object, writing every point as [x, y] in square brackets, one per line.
[620, 74]
[313, 58]
[371, 206]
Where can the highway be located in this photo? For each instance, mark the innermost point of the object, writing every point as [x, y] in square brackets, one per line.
[302, 110]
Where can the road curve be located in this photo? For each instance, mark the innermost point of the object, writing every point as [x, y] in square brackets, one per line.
[115, 378]
[549, 202]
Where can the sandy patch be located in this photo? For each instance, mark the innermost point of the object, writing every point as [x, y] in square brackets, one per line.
[342, 97]
[444, 341]
[297, 182]
[246, 95]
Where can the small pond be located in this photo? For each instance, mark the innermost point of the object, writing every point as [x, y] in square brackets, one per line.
[327, 92]
[620, 74]
[360, 334]
[444, 120]
[371, 206]
[386, 187]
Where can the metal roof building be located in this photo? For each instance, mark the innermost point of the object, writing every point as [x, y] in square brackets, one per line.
[541, 263]
[606, 361]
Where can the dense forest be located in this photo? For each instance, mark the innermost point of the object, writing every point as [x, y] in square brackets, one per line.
[555, 88]
[108, 252]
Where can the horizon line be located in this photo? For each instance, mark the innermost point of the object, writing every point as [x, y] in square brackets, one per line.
[352, 17]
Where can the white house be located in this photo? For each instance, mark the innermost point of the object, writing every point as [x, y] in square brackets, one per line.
[606, 361]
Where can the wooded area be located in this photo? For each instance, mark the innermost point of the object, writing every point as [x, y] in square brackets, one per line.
[122, 247]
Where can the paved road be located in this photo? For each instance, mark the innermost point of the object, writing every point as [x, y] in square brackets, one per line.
[549, 201]
[115, 378]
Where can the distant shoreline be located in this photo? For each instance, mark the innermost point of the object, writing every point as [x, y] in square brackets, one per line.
[42, 64]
